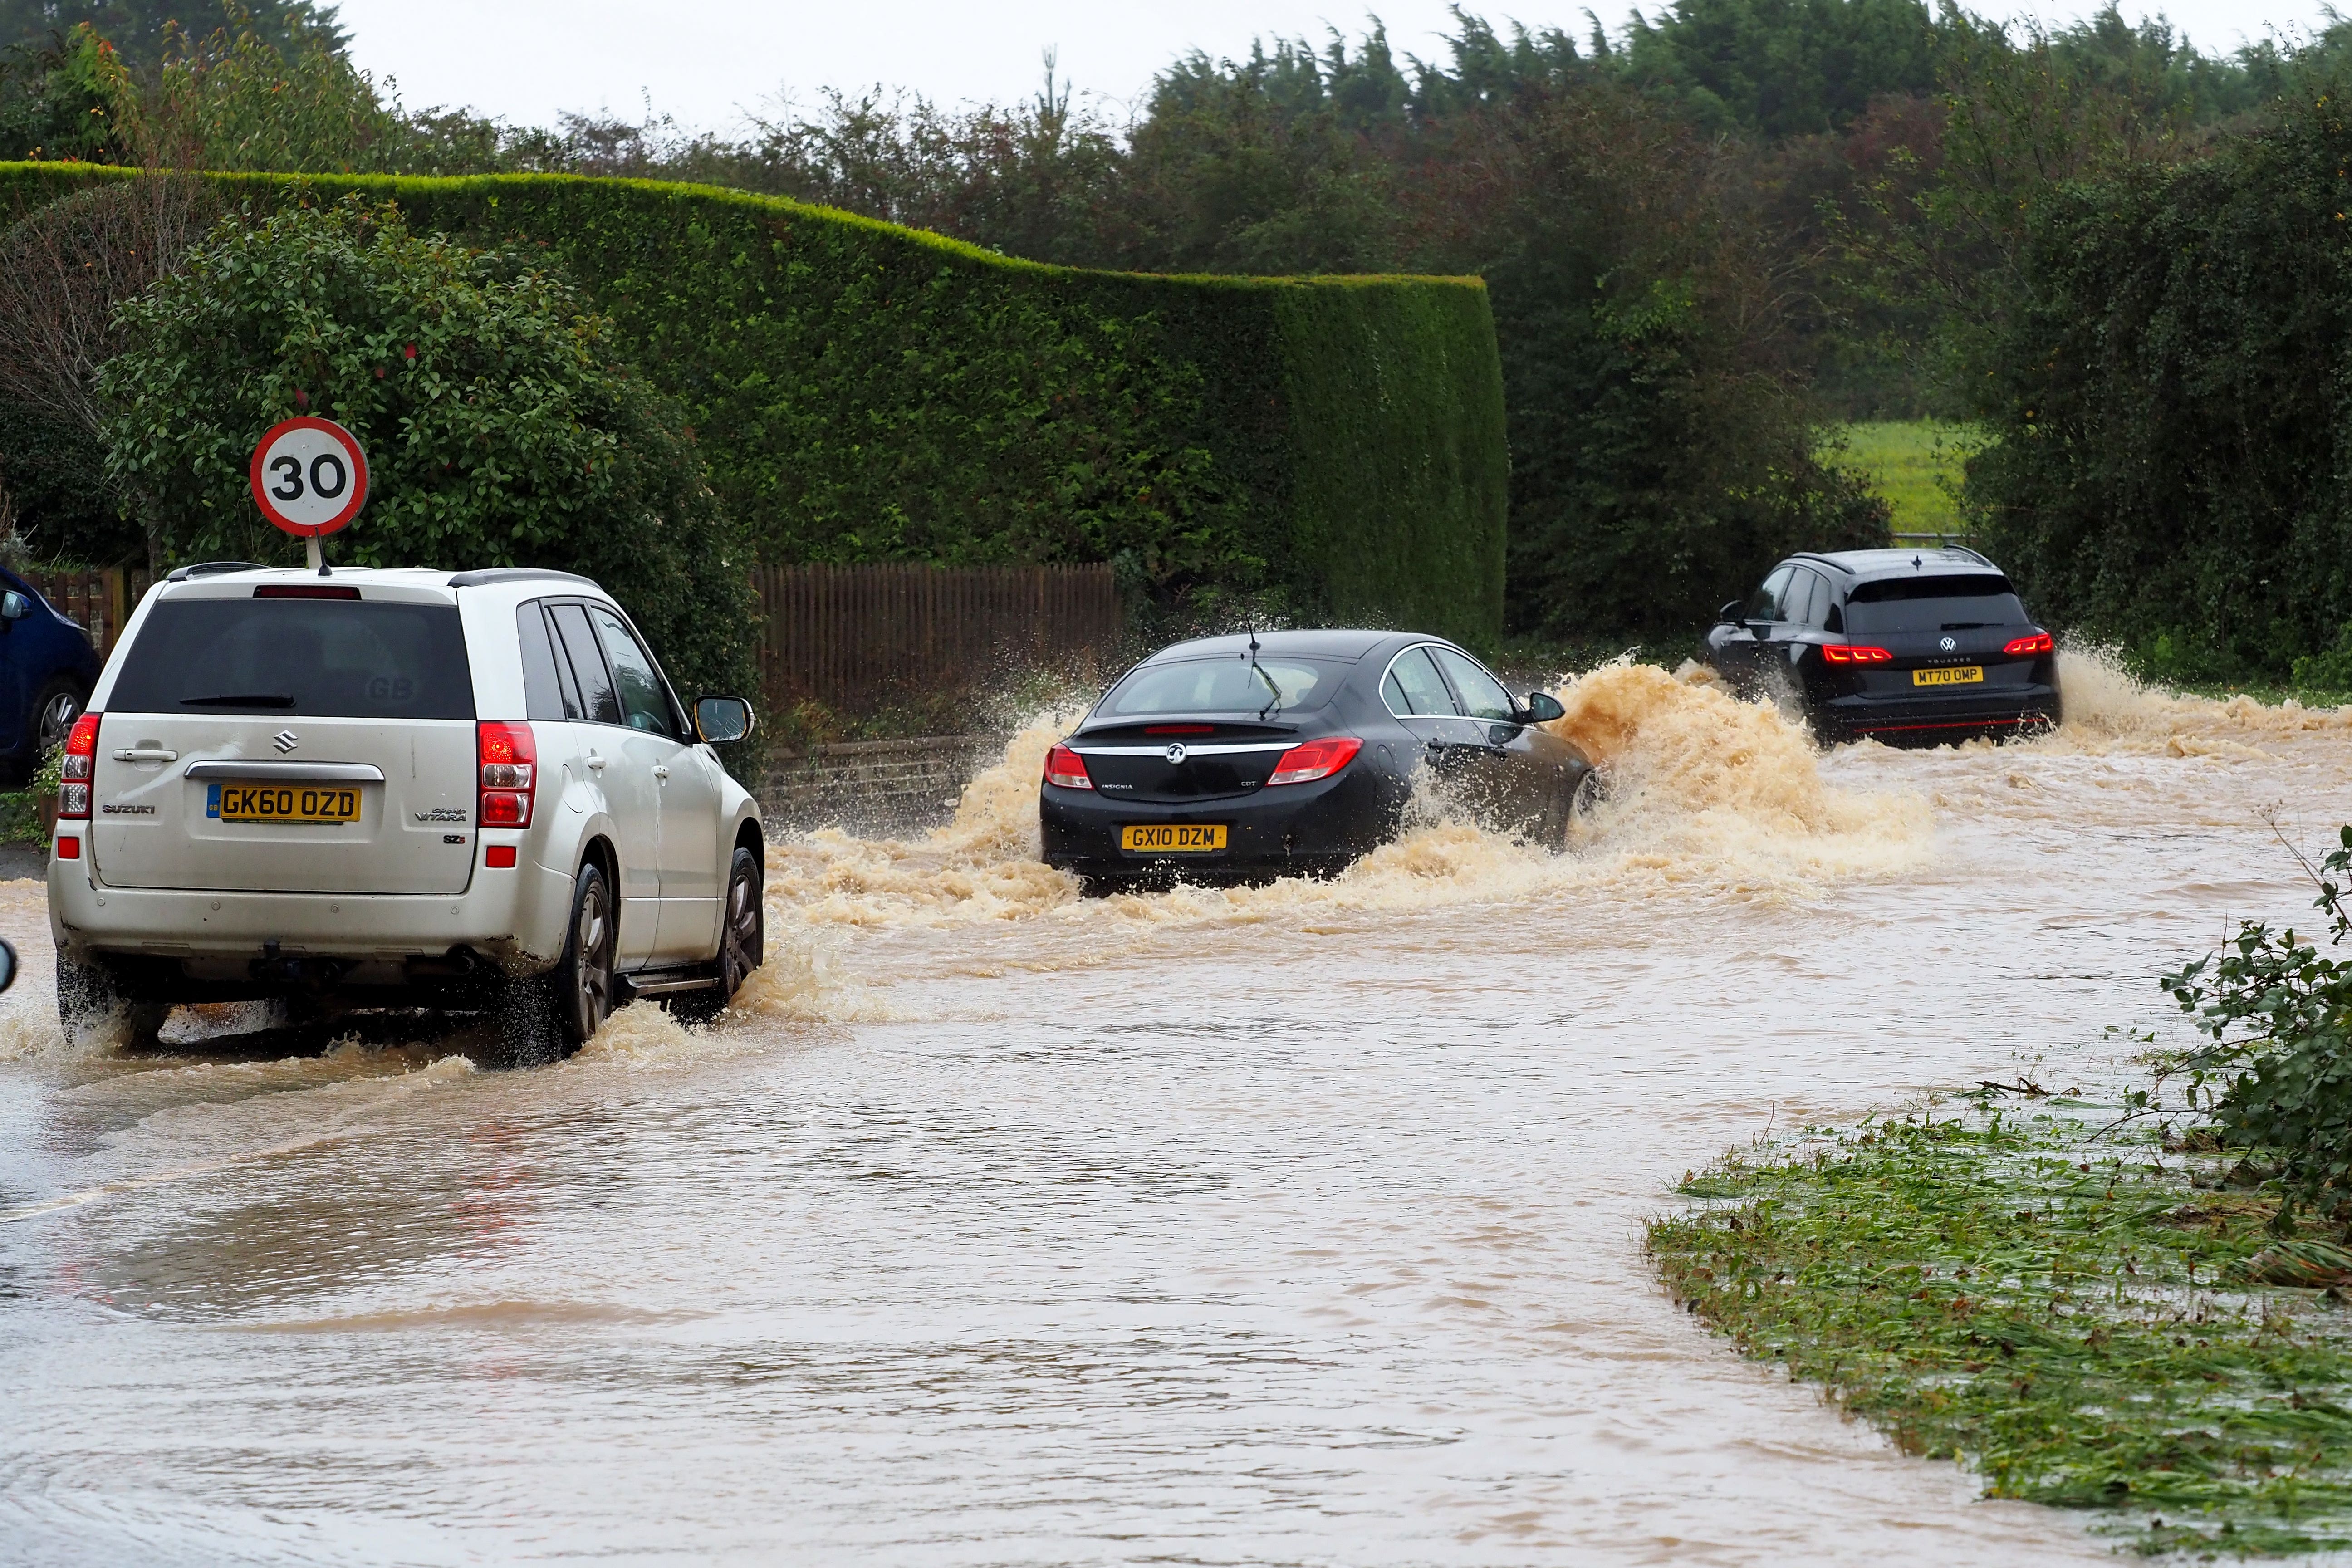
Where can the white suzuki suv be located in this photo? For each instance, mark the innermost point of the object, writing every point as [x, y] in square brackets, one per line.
[381, 788]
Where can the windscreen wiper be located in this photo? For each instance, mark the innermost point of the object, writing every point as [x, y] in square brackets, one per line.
[1275, 706]
[240, 700]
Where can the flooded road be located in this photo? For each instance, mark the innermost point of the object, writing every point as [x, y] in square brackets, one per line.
[1293, 1225]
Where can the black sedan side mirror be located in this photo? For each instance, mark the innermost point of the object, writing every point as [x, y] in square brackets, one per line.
[1729, 614]
[7, 963]
[1543, 708]
[719, 720]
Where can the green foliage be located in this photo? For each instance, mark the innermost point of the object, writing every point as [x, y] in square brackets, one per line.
[1783, 67]
[1661, 465]
[51, 470]
[2278, 1012]
[1377, 434]
[2330, 671]
[67, 96]
[2080, 1319]
[142, 29]
[2168, 405]
[500, 429]
[240, 97]
[1914, 466]
[863, 392]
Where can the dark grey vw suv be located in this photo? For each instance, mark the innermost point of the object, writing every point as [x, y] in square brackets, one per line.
[1899, 646]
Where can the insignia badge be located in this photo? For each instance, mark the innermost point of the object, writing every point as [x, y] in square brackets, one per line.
[1177, 753]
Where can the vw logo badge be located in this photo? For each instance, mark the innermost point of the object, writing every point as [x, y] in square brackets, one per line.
[1176, 754]
[1950, 643]
[284, 741]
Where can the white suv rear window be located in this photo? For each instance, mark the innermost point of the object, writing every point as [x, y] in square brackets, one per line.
[335, 658]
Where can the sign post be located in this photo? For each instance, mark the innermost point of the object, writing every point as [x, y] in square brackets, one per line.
[309, 478]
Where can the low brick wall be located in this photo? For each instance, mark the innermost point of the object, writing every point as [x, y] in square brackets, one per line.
[872, 785]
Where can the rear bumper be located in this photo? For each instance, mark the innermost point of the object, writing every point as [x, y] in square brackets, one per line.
[512, 919]
[1929, 720]
[1302, 828]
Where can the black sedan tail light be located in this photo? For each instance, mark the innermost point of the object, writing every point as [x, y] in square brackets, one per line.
[1315, 759]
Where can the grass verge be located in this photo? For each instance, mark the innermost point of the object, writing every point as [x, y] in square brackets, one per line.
[1910, 462]
[2091, 1323]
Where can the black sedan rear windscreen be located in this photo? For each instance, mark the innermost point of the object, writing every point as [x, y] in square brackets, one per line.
[1933, 605]
[1229, 685]
[333, 658]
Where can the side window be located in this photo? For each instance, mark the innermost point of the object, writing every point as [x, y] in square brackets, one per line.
[643, 703]
[1809, 599]
[1766, 603]
[1482, 695]
[1414, 688]
[599, 704]
[542, 690]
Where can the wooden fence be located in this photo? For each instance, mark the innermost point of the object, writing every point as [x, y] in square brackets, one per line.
[100, 601]
[851, 638]
[858, 637]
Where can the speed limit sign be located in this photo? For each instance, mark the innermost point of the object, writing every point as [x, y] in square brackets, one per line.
[309, 476]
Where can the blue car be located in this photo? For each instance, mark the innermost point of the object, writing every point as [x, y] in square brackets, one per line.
[46, 671]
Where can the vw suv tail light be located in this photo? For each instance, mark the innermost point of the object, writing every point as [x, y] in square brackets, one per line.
[2040, 642]
[1315, 759]
[1066, 768]
[1854, 653]
[510, 759]
[74, 770]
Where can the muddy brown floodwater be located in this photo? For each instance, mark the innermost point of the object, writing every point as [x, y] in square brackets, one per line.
[1298, 1225]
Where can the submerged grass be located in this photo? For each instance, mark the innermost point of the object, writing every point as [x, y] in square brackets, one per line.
[2082, 1320]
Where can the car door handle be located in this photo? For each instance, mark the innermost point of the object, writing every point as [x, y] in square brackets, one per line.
[595, 763]
[660, 772]
[145, 754]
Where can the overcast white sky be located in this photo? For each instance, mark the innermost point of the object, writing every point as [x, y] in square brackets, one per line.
[526, 61]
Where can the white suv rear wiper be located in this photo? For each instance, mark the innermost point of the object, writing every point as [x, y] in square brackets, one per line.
[240, 700]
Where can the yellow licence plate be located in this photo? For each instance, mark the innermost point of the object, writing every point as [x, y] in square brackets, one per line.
[335, 803]
[1958, 674]
[1174, 839]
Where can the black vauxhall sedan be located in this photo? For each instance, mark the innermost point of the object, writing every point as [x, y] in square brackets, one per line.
[1899, 646]
[1293, 752]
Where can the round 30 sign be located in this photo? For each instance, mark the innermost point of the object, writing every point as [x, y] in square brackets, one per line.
[309, 476]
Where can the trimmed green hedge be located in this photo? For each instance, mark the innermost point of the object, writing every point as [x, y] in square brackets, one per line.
[862, 391]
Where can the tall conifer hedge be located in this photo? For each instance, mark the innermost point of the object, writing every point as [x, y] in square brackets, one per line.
[862, 391]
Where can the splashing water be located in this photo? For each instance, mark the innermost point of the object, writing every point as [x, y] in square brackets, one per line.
[2110, 710]
[1705, 788]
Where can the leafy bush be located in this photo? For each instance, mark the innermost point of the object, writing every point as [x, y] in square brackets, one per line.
[498, 427]
[2172, 428]
[2278, 1012]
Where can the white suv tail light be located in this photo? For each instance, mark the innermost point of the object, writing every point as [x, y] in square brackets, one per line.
[509, 772]
[74, 772]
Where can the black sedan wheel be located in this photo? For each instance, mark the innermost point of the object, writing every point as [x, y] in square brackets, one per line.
[54, 714]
